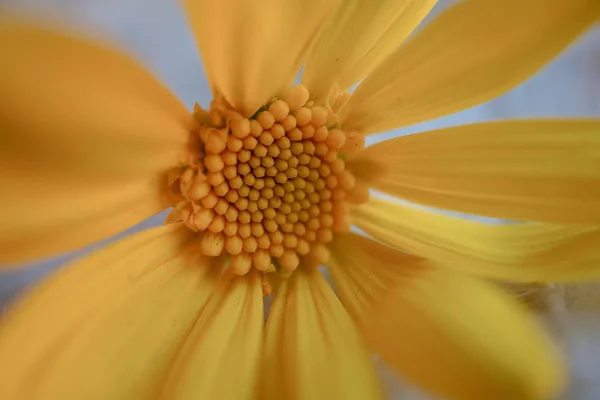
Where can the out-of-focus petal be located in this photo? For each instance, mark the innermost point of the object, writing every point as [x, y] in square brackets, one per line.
[362, 35]
[86, 134]
[472, 53]
[512, 252]
[312, 348]
[109, 325]
[364, 271]
[222, 354]
[540, 170]
[440, 328]
[251, 51]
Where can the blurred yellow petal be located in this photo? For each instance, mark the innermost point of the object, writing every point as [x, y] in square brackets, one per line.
[312, 348]
[251, 51]
[450, 334]
[363, 271]
[221, 357]
[521, 170]
[512, 252]
[50, 218]
[473, 52]
[108, 325]
[86, 131]
[362, 35]
[78, 108]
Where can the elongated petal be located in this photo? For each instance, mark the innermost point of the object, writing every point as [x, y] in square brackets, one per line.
[86, 132]
[364, 271]
[475, 51]
[521, 170]
[450, 334]
[221, 357]
[78, 107]
[48, 218]
[312, 348]
[250, 50]
[361, 36]
[108, 325]
[513, 252]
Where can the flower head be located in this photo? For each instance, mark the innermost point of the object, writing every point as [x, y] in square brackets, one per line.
[269, 189]
[264, 186]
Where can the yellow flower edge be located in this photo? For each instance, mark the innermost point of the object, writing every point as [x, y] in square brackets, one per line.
[265, 186]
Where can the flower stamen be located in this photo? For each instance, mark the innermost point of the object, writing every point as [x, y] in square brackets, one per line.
[270, 189]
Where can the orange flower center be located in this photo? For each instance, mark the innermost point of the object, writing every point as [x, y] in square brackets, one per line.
[273, 188]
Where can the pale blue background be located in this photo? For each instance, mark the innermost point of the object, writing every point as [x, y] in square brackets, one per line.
[156, 32]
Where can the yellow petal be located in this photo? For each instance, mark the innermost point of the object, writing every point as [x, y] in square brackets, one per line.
[362, 35]
[475, 51]
[513, 252]
[312, 348]
[109, 324]
[252, 51]
[450, 334]
[86, 132]
[364, 271]
[78, 107]
[61, 217]
[521, 170]
[221, 357]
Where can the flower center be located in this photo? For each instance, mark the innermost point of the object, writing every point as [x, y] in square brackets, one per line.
[273, 188]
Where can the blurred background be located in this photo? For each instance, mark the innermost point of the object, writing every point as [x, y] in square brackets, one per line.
[156, 32]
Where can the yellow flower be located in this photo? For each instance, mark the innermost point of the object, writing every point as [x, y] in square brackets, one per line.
[265, 185]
